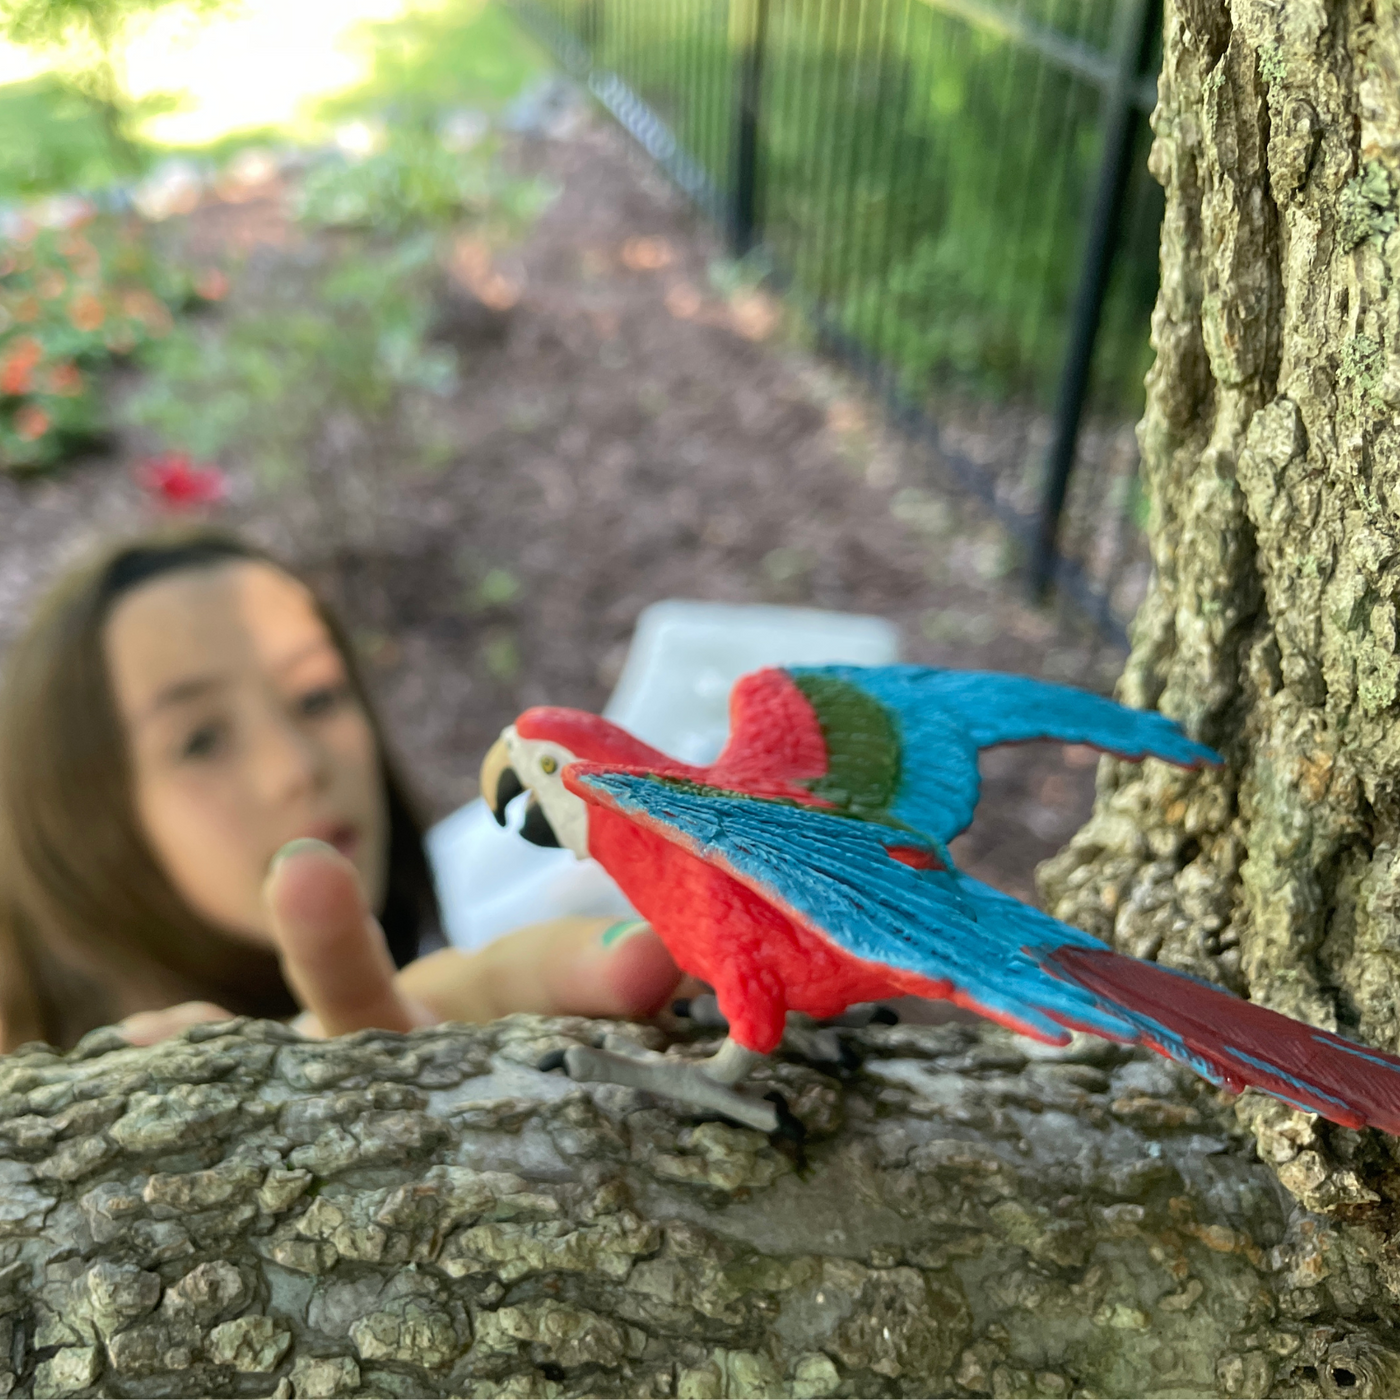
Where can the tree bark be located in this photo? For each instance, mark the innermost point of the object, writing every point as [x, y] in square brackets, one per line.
[241, 1212]
[1272, 460]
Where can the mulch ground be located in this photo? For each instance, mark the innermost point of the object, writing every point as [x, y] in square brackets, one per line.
[625, 433]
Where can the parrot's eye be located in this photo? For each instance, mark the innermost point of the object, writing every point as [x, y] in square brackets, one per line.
[548, 765]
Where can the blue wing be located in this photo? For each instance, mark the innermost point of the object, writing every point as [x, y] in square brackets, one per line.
[1002, 957]
[939, 720]
[835, 875]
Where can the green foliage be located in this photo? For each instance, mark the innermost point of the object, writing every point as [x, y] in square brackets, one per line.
[53, 140]
[70, 301]
[342, 341]
[732, 277]
[465, 56]
[82, 25]
[339, 345]
[1139, 506]
[501, 655]
[417, 182]
[321, 373]
[87, 39]
[497, 588]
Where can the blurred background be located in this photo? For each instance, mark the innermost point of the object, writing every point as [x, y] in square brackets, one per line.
[502, 319]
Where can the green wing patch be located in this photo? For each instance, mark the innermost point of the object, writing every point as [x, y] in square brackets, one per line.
[862, 746]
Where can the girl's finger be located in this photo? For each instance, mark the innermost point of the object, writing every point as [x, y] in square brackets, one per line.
[147, 1027]
[333, 952]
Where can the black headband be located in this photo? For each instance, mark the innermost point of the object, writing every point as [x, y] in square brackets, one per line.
[143, 562]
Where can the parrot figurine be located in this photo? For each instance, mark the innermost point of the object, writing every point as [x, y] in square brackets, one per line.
[806, 870]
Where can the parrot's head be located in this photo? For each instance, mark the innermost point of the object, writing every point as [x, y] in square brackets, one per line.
[531, 756]
[554, 816]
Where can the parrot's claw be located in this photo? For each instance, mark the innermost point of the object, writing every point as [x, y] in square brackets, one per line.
[706, 1085]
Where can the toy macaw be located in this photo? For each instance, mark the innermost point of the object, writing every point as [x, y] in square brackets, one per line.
[806, 870]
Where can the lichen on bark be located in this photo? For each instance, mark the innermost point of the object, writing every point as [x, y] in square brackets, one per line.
[1271, 455]
[240, 1212]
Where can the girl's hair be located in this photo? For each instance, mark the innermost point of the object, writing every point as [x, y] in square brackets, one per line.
[84, 906]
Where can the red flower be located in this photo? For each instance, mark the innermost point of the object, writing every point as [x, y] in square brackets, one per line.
[177, 484]
[65, 379]
[86, 312]
[16, 369]
[31, 423]
[80, 253]
[147, 308]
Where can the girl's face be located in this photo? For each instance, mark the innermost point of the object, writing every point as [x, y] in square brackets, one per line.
[243, 733]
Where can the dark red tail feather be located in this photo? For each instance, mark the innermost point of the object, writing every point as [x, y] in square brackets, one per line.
[1237, 1043]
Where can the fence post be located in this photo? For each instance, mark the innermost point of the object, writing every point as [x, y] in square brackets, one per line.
[745, 230]
[1121, 117]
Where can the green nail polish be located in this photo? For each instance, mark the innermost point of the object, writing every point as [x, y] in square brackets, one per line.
[297, 847]
[623, 929]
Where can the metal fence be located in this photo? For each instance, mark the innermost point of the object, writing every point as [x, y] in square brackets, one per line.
[956, 193]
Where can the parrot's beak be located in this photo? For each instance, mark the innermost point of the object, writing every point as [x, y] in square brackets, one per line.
[536, 827]
[500, 783]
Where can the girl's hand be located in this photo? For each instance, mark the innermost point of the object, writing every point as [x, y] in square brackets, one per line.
[336, 962]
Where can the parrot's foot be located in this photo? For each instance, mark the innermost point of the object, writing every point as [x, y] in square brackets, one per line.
[816, 1041]
[707, 1084]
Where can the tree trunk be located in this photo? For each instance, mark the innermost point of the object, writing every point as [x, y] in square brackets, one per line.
[1272, 460]
[240, 1212]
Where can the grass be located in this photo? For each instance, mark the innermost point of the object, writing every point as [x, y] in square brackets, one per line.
[468, 53]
